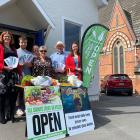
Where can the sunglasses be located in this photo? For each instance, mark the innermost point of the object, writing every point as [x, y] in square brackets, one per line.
[43, 51]
[7, 37]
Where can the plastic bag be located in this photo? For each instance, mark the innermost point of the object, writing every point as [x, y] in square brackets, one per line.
[42, 81]
[72, 79]
[70, 73]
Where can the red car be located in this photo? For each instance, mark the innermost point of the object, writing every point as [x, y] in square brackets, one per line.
[117, 83]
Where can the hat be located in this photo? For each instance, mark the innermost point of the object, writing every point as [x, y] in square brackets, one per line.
[59, 43]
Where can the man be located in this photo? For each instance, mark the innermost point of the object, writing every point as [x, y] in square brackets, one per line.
[25, 58]
[58, 59]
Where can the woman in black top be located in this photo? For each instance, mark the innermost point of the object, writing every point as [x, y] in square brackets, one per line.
[42, 65]
[9, 77]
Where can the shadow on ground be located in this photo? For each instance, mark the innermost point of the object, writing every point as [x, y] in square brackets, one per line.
[100, 120]
[113, 105]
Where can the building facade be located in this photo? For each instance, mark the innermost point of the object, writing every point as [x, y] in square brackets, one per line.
[121, 52]
[47, 21]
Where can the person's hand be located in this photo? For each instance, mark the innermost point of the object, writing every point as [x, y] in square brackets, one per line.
[63, 71]
[56, 70]
[20, 77]
[28, 64]
[60, 70]
[8, 68]
[79, 69]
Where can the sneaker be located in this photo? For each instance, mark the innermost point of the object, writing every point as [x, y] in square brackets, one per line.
[19, 112]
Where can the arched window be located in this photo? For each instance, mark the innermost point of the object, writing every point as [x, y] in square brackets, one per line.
[118, 57]
[117, 21]
[121, 51]
[115, 59]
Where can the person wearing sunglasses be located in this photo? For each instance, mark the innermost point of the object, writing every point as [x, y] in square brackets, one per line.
[42, 66]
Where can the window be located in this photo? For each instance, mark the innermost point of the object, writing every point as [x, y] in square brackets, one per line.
[121, 51]
[115, 60]
[118, 58]
[117, 21]
[72, 32]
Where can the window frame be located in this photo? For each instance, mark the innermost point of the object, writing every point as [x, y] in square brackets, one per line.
[118, 56]
[73, 22]
[114, 66]
[121, 58]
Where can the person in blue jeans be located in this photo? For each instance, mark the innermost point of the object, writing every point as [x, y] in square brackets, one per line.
[25, 59]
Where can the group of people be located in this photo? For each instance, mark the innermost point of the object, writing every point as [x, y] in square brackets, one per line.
[55, 66]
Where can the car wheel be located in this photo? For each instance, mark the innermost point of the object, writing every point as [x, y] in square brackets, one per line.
[107, 92]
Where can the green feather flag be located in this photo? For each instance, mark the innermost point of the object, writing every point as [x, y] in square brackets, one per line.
[92, 43]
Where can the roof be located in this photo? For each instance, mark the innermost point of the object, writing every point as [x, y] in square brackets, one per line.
[37, 16]
[131, 10]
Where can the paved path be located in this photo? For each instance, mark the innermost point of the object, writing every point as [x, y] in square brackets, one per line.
[116, 118]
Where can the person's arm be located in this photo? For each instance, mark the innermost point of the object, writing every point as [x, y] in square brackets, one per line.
[54, 59]
[52, 71]
[1, 58]
[2, 67]
[28, 64]
[70, 64]
[19, 70]
[79, 64]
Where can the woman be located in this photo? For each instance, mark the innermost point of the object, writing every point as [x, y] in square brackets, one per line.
[9, 77]
[35, 51]
[42, 66]
[73, 62]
